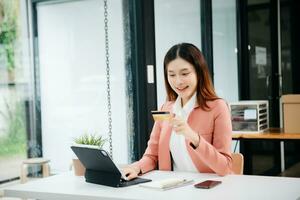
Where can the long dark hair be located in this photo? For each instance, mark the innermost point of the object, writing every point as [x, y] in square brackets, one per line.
[191, 54]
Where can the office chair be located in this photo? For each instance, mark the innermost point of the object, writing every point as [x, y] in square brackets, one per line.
[237, 163]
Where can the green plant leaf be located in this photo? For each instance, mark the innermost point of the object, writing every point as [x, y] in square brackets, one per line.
[90, 139]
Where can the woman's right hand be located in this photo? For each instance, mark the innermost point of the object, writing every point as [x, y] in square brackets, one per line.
[131, 172]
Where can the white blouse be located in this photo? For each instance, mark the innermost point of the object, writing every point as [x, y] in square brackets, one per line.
[181, 158]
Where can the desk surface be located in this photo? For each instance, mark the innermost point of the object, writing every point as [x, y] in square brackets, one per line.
[271, 134]
[66, 186]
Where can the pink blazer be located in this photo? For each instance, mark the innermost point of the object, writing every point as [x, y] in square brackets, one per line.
[213, 155]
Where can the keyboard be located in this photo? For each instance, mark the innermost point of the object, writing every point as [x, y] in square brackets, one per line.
[125, 183]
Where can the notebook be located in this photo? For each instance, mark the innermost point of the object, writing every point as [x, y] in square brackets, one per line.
[100, 169]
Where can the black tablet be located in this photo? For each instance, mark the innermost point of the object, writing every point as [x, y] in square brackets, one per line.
[101, 169]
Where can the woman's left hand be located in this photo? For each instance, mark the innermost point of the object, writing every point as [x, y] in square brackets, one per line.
[180, 126]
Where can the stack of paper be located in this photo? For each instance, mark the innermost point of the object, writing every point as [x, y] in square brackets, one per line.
[166, 183]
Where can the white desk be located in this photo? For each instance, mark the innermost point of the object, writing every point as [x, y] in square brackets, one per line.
[66, 186]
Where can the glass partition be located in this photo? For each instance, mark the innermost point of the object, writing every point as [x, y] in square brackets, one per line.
[225, 49]
[15, 87]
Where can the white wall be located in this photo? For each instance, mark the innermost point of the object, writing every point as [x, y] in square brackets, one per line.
[73, 77]
[176, 21]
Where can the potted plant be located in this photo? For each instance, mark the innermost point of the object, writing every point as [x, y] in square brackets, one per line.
[87, 140]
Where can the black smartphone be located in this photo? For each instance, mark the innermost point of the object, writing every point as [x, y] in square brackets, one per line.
[207, 184]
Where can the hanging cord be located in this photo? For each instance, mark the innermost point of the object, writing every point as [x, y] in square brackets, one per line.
[108, 79]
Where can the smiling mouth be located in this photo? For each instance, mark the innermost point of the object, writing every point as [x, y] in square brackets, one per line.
[181, 89]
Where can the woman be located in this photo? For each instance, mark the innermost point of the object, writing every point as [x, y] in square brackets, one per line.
[198, 137]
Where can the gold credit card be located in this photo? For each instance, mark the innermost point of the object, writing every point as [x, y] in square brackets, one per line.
[161, 115]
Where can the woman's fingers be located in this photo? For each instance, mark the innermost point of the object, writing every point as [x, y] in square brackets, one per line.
[177, 124]
[131, 176]
[129, 173]
[176, 121]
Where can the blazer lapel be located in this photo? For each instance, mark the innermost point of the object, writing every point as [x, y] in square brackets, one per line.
[164, 148]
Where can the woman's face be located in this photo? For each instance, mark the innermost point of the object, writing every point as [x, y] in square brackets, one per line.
[182, 78]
